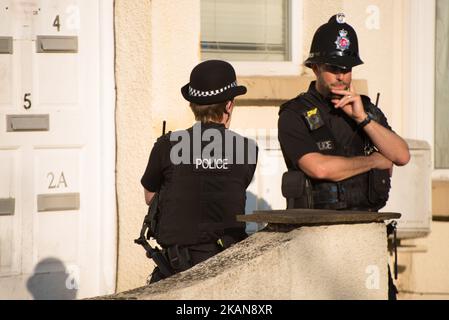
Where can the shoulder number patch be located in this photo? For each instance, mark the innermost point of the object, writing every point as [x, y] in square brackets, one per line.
[313, 119]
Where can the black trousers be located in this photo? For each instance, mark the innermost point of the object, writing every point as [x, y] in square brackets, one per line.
[197, 253]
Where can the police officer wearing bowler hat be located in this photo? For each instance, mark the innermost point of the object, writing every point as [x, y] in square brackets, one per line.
[201, 191]
[334, 140]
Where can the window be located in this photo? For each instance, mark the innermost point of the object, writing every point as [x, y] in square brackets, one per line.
[255, 35]
[441, 81]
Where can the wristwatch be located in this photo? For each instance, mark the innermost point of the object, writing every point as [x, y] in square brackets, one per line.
[367, 120]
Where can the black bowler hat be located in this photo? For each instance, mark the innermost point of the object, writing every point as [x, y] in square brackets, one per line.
[335, 43]
[211, 82]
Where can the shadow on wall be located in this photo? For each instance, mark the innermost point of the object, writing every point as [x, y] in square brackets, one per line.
[52, 281]
[254, 203]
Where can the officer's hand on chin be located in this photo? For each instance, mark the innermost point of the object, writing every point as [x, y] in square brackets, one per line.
[351, 103]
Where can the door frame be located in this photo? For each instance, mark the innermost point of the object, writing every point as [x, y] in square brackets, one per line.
[108, 200]
[419, 76]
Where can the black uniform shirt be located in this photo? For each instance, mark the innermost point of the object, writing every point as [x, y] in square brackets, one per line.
[295, 137]
[159, 169]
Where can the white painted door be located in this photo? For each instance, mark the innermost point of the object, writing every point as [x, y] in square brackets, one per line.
[57, 219]
[264, 192]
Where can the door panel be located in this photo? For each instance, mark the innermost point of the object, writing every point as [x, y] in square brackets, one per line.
[57, 71]
[9, 213]
[6, 94]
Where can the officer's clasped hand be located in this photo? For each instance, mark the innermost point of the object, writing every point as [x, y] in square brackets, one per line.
[381, 162]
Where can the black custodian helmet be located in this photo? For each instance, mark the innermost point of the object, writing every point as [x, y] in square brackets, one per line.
[212, 81]
[335, 43]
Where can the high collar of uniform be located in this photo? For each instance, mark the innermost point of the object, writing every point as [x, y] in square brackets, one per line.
[213, 125]
[209, 125]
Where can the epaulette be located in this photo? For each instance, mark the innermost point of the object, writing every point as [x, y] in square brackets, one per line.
[164, 137]
[295, 103]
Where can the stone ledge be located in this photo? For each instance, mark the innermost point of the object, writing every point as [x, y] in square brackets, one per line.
[316, 217]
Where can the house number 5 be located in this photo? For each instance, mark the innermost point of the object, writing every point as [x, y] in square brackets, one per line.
[27, 101]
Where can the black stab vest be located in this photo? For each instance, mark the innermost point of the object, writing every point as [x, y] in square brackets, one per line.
[199, 205]
[353, 193]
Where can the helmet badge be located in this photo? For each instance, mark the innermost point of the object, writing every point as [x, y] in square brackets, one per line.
[343, 41]
[341, 18]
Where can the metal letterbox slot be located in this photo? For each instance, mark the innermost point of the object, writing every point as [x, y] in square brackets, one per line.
[58, 202]
[56, 44]
[7, 207]
[35, 122]
[6, 46]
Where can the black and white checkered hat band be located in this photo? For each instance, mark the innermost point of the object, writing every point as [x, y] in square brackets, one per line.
[212, 93]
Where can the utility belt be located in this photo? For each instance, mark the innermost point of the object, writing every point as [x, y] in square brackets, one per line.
[348, 194]
[180, 257]
[328, 195]
[367, 192]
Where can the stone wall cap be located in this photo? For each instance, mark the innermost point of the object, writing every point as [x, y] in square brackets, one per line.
[317, 217]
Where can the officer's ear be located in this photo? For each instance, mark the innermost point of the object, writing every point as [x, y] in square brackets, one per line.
[316, 69]
[229, 106]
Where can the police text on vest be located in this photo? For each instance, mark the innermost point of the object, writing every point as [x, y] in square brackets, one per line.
[221, 164]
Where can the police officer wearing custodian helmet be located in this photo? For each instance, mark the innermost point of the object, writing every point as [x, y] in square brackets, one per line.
[201, 174]
[336, 142]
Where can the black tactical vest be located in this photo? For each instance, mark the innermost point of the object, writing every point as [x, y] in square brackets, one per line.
[199, 205]
[367, 191]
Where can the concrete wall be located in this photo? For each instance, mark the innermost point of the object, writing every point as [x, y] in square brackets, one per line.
[323, 262]
[156, 47]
